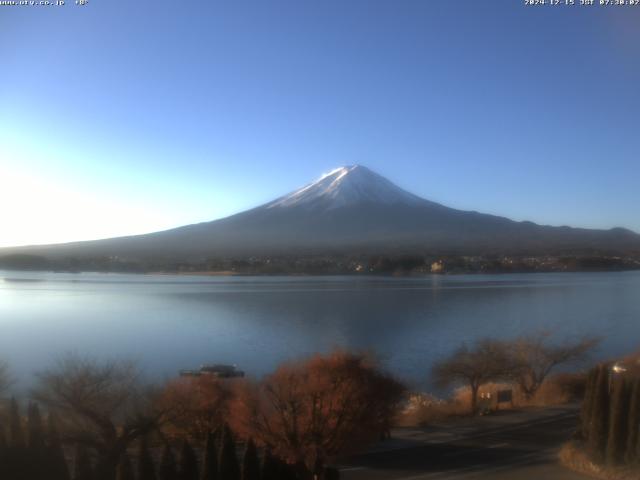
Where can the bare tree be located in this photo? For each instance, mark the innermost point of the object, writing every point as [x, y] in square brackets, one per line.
[103, 407]
[535, 356]
[311, 411]
[486, 361]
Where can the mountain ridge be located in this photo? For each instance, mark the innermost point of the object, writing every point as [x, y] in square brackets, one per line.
[348, 210]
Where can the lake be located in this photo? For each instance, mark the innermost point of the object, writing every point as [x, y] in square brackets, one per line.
[171, 322]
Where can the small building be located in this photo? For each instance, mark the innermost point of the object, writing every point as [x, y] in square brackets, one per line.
[437, 267]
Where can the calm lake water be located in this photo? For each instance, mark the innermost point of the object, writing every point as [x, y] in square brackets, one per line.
[168, 323]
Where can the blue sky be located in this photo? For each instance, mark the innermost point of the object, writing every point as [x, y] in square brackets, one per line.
[125, 117]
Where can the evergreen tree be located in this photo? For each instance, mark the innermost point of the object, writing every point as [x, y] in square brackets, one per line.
[599, 425]
[331, 473]
[250, 462]
[16, 436]
[269, 467]
[3, 454]
[587, 403]
[228, 460]
[17, 461]
[82, 469]
[210, 460]
[146, 469]
[168, 469]
[637, 452]
[618, 424]
[57, 464]
[634, 425]
[125, 469]
[36, 463]
[286, 471]
[188, 462]
[35, 429]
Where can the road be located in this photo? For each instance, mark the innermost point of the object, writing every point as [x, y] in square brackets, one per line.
[508, 445]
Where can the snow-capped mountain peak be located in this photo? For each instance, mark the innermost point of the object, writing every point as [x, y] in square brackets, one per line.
[348, 185]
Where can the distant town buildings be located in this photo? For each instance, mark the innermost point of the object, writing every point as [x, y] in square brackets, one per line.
[437, 267]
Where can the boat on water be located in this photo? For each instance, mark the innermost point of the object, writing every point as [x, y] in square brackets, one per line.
[216, 370]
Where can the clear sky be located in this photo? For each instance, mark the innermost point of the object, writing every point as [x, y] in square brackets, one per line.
[124, 117]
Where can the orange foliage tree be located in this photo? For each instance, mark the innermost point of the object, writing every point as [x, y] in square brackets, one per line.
[309, 412]
[197, 406]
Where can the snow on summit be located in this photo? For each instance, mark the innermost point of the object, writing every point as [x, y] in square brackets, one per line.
[353, 184]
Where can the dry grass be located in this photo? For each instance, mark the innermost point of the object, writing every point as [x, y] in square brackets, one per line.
[559, 389]
[422, 408]
[573, 457]
[563, 388]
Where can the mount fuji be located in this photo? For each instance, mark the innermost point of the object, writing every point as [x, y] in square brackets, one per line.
[346, 186]
[350, 210]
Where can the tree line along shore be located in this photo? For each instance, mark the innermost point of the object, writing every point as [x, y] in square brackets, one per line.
[331, 264]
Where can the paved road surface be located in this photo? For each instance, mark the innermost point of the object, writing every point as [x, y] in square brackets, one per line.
[505, 446]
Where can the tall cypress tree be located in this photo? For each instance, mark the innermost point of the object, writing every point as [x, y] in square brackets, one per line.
[125, 469]
[18, 462]
[210, 459]
[286, 471]
[331, 473]
[618, 424]
[82, 469]
[35, 429]
[16, 435]
[168, 469]
[3, 454]
[630, 456]
[188, 462]
[637, 451]
[228, 460]
[36, 453]
[269, 466]
[250, 462]
[57, 463]
[599, 425]
[146, 469]
[587, 403]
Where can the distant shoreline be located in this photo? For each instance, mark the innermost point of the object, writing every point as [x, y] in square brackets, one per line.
[307, 274]
[361, 264]
[204, 273]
